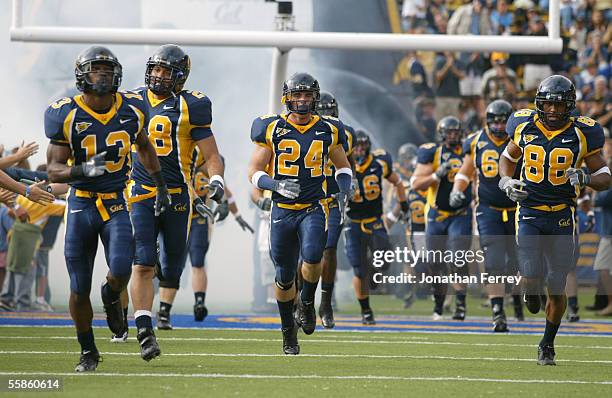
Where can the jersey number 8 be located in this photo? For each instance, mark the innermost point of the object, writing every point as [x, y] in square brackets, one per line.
[559, 160]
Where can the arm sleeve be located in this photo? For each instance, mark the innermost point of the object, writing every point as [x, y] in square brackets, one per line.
[259, 130]
[594, 136]
[467, 144]
[200, 116]
[350, 135]
[385, 159]
[516, 122]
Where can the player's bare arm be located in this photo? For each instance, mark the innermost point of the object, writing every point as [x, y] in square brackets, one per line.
[400, 191]
[147, 155]
[423, 176]
[465, 174]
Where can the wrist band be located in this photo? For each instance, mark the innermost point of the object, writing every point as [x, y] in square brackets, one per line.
[435, 177]
[392, 217]
[509, 157]
[231, 200]
[603, 170]
[217, 177]
[462, 177]
[27, 192]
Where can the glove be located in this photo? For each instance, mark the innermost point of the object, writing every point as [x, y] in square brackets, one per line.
[405, 209]
[162, 200]
[514, 189]
[203, 210]
[578, 177]
[244, 225]
[221, 211]
[342, 198]
[215, 191]
[354, 188]
[456, 199]
[287, 188]
[443, 170]
[590, 222]
[264, 204]
[94, 167]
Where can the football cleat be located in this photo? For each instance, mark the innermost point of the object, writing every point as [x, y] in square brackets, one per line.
[88, 362]
[199, 312]
[163, 321]
[546, 355]
[149, 348]
[436, 316]
[500, 324]
[532, 302]
[572, 314]
[290, 341]
[306, 317]
[459, 314]
[327, 315]
[367, 317]
[114, 314]
[119, 338]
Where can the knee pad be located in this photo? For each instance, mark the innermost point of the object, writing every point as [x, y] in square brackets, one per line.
[283, 286]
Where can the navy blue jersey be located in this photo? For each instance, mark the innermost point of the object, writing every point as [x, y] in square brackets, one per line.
[417, 201]
[174, 126]
[300, 152]
[330, 170]
[70, 122]
[438, 193]
[367, 201]
[548, 154]
[485, 152]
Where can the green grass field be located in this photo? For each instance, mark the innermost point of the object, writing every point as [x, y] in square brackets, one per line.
[342, 364]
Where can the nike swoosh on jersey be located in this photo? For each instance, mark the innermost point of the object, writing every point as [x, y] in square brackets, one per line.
[564, 141]
[123, 121]
[75, 211]
[320, 132]
[276, 221]
[527, 218]
[168, 107]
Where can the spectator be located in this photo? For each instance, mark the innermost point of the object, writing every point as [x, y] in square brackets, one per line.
[447, 73]
[436, 8]
[500, 81]
[440, 23]
[587, 79]
[469, 19]
[413, 15]
[501, 18]
[412, 70]
[578, 35]
[537, 66]
[603, 260]
[6, 222]
[595, 52]
[425, 116]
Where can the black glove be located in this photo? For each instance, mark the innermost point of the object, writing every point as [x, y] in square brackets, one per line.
[456, 199]
[203, 210]
[162, 196]
[216, 191]
[221, 211]
[264, 204]
[244, 225]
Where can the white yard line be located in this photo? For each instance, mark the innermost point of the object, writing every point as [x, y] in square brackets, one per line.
[311, 376]
[252, 355]
[314, 340]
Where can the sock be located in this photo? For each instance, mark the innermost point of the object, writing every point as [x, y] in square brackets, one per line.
[572, 302]
[143, 319]
[200, 297]
[326, 292]
[308, 292]
[327, 287]
[86, 340]
[40, 299]
[109, 293]
[364, 303]
[497, 305]
[165, 307]
[549, 333]
[516, 300]
[460, 296]
[125, 310]
[285, 309]
[439, 303]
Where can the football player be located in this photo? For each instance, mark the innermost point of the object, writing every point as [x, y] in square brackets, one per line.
[178, 122]
[447, 227]
[366, 228]
[494, 211]
[328, 106]
[91, 136]
[415, 233]
[294, 147]
[549, 146]
[199, 238]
